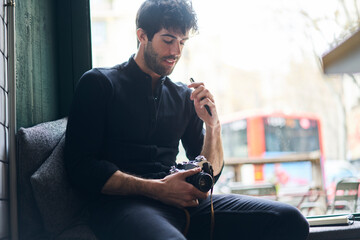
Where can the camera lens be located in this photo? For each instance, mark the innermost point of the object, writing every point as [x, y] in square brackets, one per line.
[202, 181]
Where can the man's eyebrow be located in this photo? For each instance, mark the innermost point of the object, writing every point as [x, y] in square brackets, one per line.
[172, 36]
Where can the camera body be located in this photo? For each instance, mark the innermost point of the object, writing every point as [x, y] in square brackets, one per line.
[202, 180]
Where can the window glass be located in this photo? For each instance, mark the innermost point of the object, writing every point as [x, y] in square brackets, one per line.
[235, 139]
[291, 135]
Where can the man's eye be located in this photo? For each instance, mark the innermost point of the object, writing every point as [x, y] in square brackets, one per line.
[168, 42]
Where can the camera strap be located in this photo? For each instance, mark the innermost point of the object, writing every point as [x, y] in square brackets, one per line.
[212, 224]
[187, 214]
[212, 214]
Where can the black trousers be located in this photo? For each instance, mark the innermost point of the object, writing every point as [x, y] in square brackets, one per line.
[236, 217]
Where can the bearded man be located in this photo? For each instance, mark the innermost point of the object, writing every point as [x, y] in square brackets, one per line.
[122, 139]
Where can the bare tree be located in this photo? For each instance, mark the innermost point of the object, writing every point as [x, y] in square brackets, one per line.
[345, 18]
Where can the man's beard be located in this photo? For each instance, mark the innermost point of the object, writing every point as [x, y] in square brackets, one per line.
[153, 61]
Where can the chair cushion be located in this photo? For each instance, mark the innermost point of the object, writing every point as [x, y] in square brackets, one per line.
[59, 204]
[34, 146]
[47, 205]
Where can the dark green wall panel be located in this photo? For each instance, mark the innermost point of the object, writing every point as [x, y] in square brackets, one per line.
[53, 49]
[36, 62]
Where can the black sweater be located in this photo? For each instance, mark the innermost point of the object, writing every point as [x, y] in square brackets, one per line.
[117, 123]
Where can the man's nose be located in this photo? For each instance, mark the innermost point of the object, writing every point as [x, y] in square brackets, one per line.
[176, 49]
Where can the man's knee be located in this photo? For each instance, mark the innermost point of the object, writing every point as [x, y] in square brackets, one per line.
[293, 223]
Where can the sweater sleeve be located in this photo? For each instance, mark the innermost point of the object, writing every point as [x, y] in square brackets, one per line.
[85, 133]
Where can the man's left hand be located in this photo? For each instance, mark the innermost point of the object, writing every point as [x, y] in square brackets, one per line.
[201, 97]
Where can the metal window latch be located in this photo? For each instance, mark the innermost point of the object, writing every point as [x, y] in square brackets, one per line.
[10, 3]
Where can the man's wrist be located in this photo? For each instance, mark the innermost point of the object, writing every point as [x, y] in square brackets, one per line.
[151, 188]
[213, 129]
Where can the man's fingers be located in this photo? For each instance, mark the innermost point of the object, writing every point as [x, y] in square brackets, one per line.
[199, 93]
[195, 85]
[198, 87]
[190, 172]
[193, 203]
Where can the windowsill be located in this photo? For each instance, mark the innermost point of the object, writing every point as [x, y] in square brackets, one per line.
[350, 232]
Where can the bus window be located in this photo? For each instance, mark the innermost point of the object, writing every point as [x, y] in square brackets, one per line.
[291, 135]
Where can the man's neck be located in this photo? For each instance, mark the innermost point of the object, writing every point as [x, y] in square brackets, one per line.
[139, 59]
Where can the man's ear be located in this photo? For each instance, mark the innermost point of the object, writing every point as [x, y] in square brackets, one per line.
[141, 36]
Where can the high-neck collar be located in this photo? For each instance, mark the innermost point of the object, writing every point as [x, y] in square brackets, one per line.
[137, 73]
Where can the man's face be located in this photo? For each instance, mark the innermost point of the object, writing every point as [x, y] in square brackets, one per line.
[163, 52]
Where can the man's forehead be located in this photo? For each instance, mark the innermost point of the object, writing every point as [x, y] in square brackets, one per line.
[176, 34]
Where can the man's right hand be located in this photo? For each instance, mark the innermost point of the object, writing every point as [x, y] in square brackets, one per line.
[174, 190]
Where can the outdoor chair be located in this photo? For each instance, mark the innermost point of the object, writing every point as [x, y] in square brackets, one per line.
[313, 202]
[346, 194]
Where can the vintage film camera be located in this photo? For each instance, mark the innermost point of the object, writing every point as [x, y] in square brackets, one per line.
[202, 180]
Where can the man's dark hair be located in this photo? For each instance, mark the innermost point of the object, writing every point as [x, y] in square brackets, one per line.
[153, 15]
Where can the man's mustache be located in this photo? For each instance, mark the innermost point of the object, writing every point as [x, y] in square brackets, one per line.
[171, 58]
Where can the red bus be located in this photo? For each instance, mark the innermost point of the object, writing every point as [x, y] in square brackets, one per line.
[270, 135]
